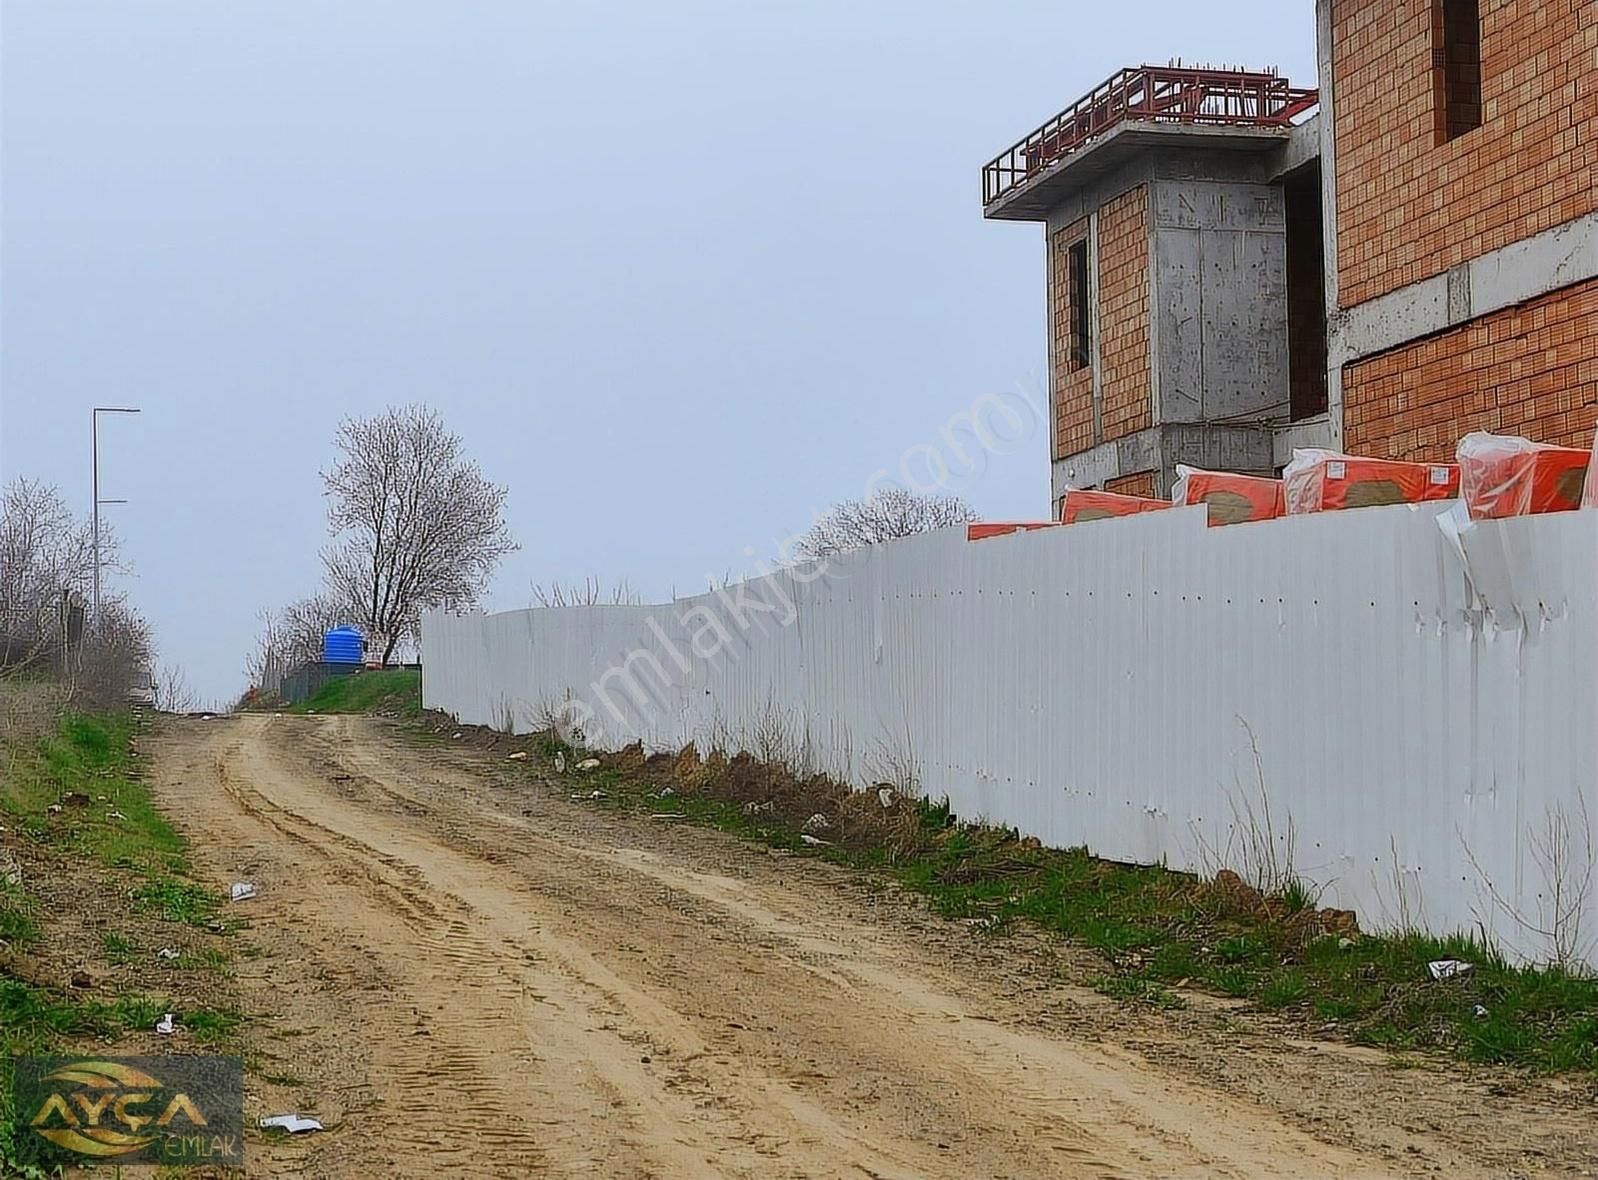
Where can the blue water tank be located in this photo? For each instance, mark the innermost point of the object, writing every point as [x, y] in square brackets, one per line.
[342, 645]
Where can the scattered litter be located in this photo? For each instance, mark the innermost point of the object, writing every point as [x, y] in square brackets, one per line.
[54, 809]
[816, 823]
[560, 762]
[165, 1025]
[666, 793]
[885, 796]
[1442, 969]
[102, 798]
[456, 736]
[519, 756]
[241, 891]
[292, 1123]
[668, 815]
[10, 868]
[588, 798]
[812, 842]
[1344, 944]
[758, 808]
[216, 927]
[115, 815]
[167, 953]
[588, 764]
[1481, 1013]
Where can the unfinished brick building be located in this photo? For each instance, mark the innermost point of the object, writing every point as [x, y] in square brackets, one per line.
[1408, 252]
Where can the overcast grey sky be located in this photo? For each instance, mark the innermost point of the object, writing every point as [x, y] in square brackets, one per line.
[681, 273]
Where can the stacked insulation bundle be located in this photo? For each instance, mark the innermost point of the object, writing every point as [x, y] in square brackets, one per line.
[1083, 505]
[1232, 499]
[981, 532]
[1505, 476]
[1326, 481]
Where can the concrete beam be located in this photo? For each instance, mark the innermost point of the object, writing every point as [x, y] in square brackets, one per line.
[1326, 122]
[1523, 270]
[1302, 147]
[1161, 448]
[1038, 196]
[1305, 434]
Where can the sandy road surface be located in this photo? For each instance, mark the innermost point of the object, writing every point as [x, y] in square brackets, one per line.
[462, 973]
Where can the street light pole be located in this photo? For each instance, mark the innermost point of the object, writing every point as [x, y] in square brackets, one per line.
[94, 463]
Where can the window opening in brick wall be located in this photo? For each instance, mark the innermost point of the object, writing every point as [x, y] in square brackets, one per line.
[1081, 295]
[1306, 293]
[1456, 64]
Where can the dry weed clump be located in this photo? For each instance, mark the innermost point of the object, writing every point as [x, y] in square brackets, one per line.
[860, 820]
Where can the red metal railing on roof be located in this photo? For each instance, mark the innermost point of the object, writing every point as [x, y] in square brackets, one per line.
[1162, 94]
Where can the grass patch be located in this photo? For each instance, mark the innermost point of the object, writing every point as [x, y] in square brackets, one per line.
[18, 925]
[177, 901]
[118, 948]
[1156, 929]
[77, 792]
[396, 692]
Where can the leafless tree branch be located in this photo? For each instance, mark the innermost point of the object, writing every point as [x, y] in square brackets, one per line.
[890, 513]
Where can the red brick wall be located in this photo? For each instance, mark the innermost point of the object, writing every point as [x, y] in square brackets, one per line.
[1072, 387]
[1124, 313]
[1141, 484]
[1409, 207]
[1530, 370]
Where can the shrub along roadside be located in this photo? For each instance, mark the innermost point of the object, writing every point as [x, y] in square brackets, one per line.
[1156, 929]
[83, 828]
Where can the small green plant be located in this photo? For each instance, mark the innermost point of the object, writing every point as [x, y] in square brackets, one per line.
[178, 901]
[18, 926]
[117, 947]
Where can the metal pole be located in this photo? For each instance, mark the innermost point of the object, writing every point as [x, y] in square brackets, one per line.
[94, 461]
[94, 451]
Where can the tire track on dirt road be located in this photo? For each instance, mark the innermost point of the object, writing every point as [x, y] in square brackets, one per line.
[522, 995]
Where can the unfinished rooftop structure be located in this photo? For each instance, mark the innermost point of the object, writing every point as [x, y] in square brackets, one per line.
[1405, 252]
[1183, 226]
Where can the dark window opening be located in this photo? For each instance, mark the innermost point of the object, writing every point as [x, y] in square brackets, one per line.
[1306, 294]
[1456, 63]
[1081, 295]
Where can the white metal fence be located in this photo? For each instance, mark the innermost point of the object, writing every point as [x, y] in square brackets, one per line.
[1415, 706]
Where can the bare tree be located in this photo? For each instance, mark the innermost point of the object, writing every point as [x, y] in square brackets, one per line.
[590, 592]
[116, 654]
[172, 691]
[415, 524]
[889, 513]
[45, 562]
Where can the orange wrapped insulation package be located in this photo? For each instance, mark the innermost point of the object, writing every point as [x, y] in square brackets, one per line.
[1082, 505]
[1325, 481]
[1232, 499]
[981, 532]
[1505, 476]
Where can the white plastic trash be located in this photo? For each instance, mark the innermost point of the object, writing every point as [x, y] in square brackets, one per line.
[292, 1123]
[1442, 969]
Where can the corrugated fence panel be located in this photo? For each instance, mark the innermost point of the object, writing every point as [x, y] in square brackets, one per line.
[1416, 713]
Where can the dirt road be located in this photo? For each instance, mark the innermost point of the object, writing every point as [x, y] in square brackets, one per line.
[462, 973]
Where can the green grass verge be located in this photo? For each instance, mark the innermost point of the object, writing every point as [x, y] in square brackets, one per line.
[396, 691]
[1157, 930]
[106, 822]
